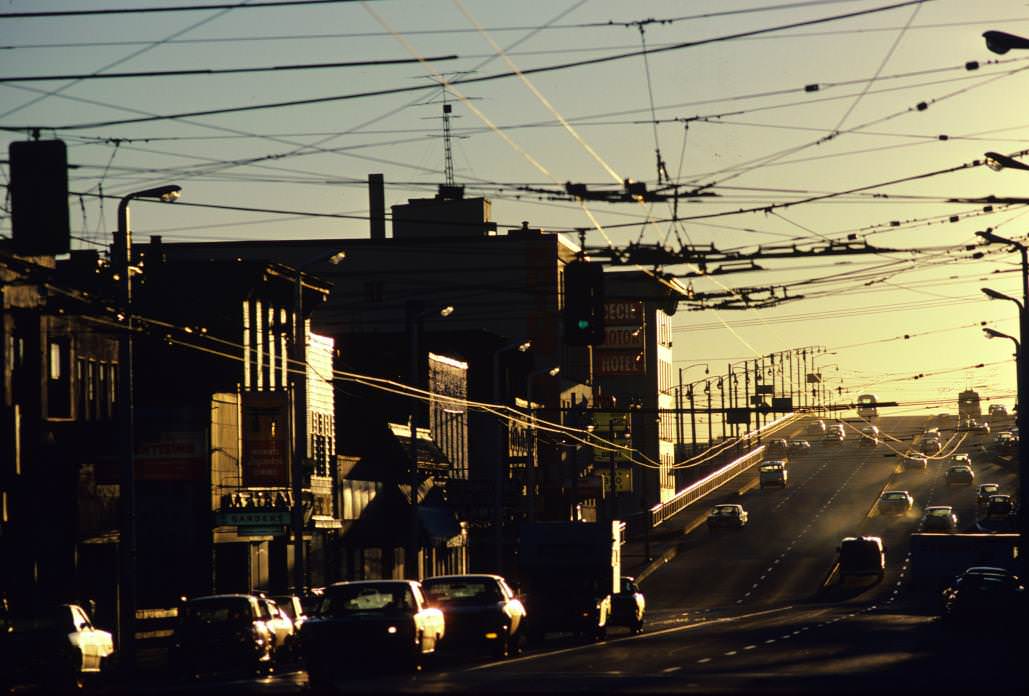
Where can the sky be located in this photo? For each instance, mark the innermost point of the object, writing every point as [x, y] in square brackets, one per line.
[762, 104]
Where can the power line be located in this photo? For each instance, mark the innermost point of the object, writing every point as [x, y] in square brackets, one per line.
[474, 80]
[179, 8]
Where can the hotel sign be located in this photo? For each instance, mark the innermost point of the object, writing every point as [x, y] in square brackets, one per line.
[623, 350]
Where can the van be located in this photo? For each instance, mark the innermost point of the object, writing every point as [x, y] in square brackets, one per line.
[773, 473]
[861, 556]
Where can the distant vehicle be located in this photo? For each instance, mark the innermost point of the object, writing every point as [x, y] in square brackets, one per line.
[833, 437]
[773, 473]
[481, 612]
[816, 427]
[628, 606]
[727, 515]
[778, 446]
[940, 518]
[961, 459]
[895, 503]
[914, 462]
[221, 633]
[999, 505]
[983, 594]
[867, 406]
[800, 447]
[960, 475]
[997, 410]
[55, 648]
[931, 445]
[968, 404]
[860, 556]
[369, 622]
[870, 436]
[983, 493]
[981, 426]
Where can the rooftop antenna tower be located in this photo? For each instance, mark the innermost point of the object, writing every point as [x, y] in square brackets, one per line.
[448, 151]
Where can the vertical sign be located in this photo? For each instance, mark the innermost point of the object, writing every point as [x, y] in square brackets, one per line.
[265, 438]
[623, 349]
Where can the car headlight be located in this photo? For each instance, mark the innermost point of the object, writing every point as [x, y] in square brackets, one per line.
[391, 630]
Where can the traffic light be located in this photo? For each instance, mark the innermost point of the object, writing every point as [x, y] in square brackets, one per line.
[39, 197]
[584, 304]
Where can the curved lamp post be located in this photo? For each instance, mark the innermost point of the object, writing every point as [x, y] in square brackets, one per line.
[121, 263]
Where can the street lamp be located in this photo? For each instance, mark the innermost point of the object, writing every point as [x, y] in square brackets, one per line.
[1001, 42]
[531, 454]
[415, 314]
[121, 263]
[498, 493]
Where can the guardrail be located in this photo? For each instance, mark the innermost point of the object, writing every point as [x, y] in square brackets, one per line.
[695, 491]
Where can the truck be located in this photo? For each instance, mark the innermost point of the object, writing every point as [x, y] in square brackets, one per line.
[937, 557]
[568, 572]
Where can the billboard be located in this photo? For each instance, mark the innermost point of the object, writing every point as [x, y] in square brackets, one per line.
[266, 438]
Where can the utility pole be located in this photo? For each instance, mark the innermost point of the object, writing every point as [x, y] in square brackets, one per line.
[693, 423]
[707, 388]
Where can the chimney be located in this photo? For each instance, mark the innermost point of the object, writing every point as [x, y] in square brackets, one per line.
[377, 206]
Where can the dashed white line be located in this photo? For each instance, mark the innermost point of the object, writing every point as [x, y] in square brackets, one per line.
[749, 647]
[669, 670]
[703, 660]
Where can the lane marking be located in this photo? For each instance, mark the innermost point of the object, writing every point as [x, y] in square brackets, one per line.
[669, 670]
[703, 660]
[749, 647]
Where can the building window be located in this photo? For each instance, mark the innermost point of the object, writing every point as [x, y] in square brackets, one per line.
[59, 396]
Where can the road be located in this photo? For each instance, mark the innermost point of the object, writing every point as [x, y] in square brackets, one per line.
[760, 609]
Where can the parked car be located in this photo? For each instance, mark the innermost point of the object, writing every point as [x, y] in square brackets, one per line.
[293, 607]
[914, 462]
[997, 410]
[895, 503]
[960, 475]
[727, 515]
[628, 606]
[221, 633]
[364, 623]
[983, 595]
[940, 518]
[861, 556]
[481, 613]
[983, 493]
[55, 648]
[281, 627]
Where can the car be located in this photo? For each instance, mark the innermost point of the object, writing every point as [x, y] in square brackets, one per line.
[798, 447]
[961, 459]
[628, 606]
[861, 556]
[55, 648]
[365, 623]
[221, 633]
[895, 503]
[1005, 442]
[914, 462]
[998, 515]
[960, 475]
[981, 426]
[727, 515]
[293, 607]
[1000, 505]
[930, 445]
[833, 437]
[983, 594]
[870, 436]
[281, 627]
[778, 446]
[983, 493]
[966, 425]
[310, 600]
[773, 473]
[940, 518]
[481, 613]
[997, 410]
[816, 427]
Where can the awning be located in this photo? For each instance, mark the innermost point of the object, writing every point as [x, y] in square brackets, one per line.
[430, 456]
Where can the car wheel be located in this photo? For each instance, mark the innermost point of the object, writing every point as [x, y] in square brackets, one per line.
[637, 626]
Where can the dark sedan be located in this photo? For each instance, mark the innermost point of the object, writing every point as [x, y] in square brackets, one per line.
[960, 475]
[940, 518]
[369, 623]
[895, 503]
[221, 633]
[628, 606]
[983, 594]
[481, 612]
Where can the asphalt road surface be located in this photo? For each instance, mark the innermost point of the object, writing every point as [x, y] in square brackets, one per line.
[760, 609]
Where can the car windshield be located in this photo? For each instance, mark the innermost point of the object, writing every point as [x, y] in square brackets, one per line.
[989, 488]
[938, 512]
[725, 510]
[463, 591]
[771, 467]
[219, 610]
[895, 496]
[348, 599]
